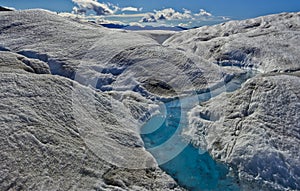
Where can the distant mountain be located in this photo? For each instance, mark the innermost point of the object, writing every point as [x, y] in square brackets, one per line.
[129, 27]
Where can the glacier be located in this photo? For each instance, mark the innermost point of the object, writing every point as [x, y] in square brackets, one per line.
[75, 99]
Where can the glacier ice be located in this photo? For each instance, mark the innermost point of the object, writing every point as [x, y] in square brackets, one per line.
[74, 95]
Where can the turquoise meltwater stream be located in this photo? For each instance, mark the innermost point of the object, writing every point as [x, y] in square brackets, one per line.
[192, 168]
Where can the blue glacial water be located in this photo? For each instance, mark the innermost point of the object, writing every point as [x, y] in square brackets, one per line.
[192, 168]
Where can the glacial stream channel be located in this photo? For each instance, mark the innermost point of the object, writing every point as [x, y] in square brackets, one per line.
[192, 168]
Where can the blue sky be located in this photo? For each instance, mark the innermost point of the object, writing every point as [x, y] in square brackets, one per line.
[234, 9]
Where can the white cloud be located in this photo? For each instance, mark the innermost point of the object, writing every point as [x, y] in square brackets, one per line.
[166, 14]
[83, 6]
[171, 14]
[115, 7]
[203, 13]
[225, 18]
[150, 17]
[133, 9]
[79, 11]
[186, 11]
[94, 5]
[185, 24]
[105, 21]
[112, 14]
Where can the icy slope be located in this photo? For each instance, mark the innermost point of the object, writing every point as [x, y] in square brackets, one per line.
[107, 59]
[256, 130]
[269, 43]
[59, 41]
[49, 128]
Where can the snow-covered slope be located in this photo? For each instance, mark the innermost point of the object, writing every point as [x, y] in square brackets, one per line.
[59, 41]
[49, 131]
[269, 43]
[104, 58]
[256, 130]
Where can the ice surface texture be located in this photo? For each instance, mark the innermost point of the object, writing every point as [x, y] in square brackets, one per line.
[51, 140]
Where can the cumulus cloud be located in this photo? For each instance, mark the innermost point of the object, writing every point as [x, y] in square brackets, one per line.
[124, 16]
[171, 14]
[166, 14]
[148, 18]
[94, 5]
[203, 13]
